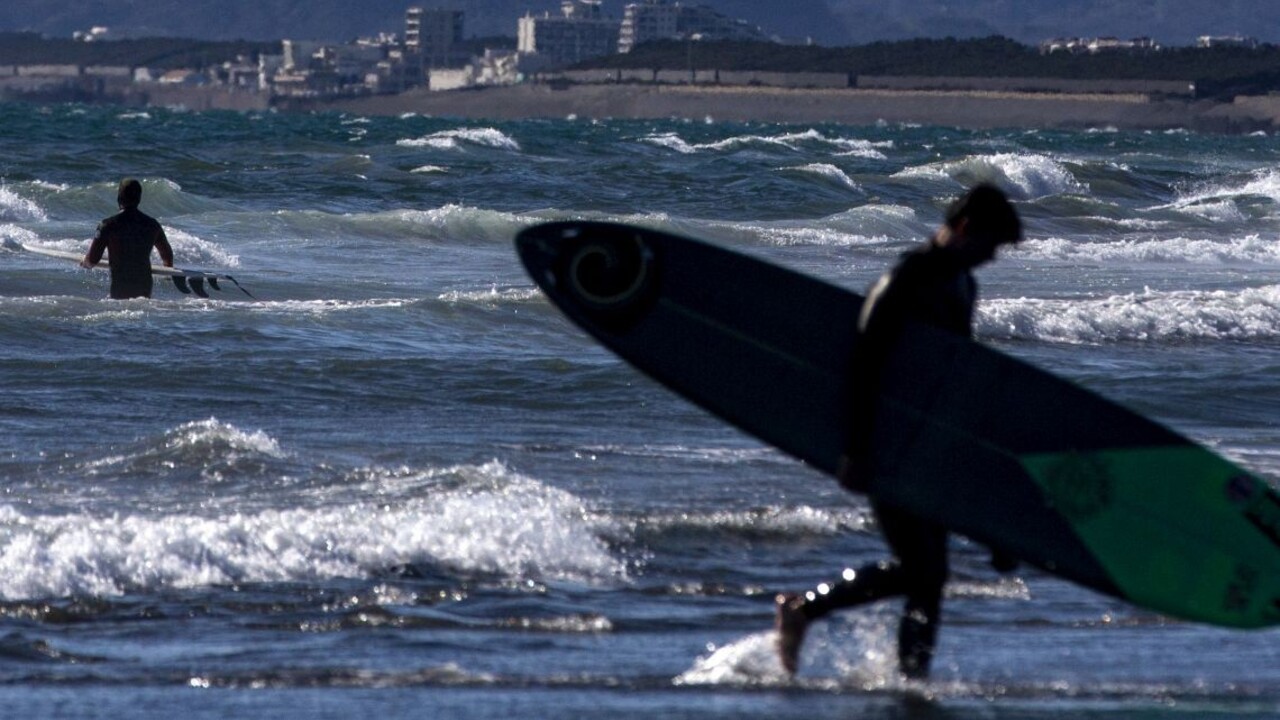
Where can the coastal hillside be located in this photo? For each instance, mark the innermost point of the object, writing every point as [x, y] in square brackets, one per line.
[827, 22]
[1172, 22]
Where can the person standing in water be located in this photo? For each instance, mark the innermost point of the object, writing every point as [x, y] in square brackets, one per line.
[933, 284]
[128, 237]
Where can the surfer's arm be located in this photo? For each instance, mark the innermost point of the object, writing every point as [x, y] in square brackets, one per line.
[94, 255]
[878, 322]
[882, 315]
[162, 246]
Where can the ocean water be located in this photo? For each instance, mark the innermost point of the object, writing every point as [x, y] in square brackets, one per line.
[399, 483]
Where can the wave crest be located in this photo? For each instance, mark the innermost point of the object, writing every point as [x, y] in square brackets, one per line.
[458, 138]
[1148, 316]
[1029, 176]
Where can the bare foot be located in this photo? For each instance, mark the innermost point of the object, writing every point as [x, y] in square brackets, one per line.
[791, 625]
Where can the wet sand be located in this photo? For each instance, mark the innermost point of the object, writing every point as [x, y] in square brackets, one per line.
[968, 109]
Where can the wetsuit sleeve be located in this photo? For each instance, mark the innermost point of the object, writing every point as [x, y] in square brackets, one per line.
[895, 299]
[879, 322]
[162, 246]
[99, 246]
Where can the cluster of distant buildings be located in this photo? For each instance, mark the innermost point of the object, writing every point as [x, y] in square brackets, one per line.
[1093, 46]
[431, 52]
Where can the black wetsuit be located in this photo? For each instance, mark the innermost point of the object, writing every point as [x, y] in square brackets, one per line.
[128, 237]
[928, 285]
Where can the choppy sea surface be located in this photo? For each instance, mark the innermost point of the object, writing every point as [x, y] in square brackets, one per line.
[399, 484]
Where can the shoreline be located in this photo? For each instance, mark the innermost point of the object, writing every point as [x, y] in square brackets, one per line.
[970, 109]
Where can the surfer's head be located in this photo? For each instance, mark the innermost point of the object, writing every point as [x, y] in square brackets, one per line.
[987, 213]
[130, 193]
[980, 221]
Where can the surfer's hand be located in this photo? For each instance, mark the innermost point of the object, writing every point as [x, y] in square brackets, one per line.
[86, 264]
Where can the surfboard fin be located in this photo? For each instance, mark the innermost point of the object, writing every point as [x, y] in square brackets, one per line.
[197, 286]
[213, 283]
[181, 283]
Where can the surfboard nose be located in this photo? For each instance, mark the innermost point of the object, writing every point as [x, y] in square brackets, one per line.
[604, 271]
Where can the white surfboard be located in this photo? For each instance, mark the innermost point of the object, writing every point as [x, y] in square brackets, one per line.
[186, 280]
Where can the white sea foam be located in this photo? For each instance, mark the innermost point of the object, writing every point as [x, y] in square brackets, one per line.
[857, 652]
[189, 249]
[457, 138]
[1184, 315]
[14, 207]
[1027, 175]
[1249, 249]
[459, 222]
[722, 455]
[12, 235]
[430, 169]
[214, 433]
[202, 440]
[767, 521]
[489, 520]
[748, 661]
[787, 141]
[827, 171]
[492, 297]
[865, 225]
[1219, 201]
[46, 185]
[326, 306]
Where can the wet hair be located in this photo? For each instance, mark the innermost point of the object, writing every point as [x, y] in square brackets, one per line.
[989, 212]
[130, 193]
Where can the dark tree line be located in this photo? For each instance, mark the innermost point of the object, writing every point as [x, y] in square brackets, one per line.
[1218, 71]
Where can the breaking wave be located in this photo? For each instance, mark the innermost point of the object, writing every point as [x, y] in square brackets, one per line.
[1148, 316]
[1028, 176]
[467, 519]
[462, 137]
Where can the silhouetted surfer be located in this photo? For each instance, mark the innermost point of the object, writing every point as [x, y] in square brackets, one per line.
[933, 284]
[128, 238]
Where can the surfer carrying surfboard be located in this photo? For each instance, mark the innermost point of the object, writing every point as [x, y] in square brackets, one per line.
[933, 284]
[129, 237]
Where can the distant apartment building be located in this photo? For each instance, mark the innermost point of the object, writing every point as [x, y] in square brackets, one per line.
[673, 20]
[1094, 46]
[431, 36]
[579, 33]
[1240, 41]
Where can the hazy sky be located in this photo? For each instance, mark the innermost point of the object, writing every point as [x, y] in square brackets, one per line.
[827, 21]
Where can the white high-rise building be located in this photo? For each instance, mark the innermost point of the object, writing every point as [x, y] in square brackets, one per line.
[673, 20]
[579, 33]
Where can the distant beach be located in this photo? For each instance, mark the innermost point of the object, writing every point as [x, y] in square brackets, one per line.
[967, 109]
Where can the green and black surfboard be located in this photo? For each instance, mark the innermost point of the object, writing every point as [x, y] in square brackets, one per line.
[986, 445]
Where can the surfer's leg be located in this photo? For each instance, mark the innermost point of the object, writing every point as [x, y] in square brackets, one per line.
[855, 587]
[921, 548]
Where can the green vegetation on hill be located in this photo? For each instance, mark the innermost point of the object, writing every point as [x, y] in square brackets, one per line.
[166, 53]
[1221, 71]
